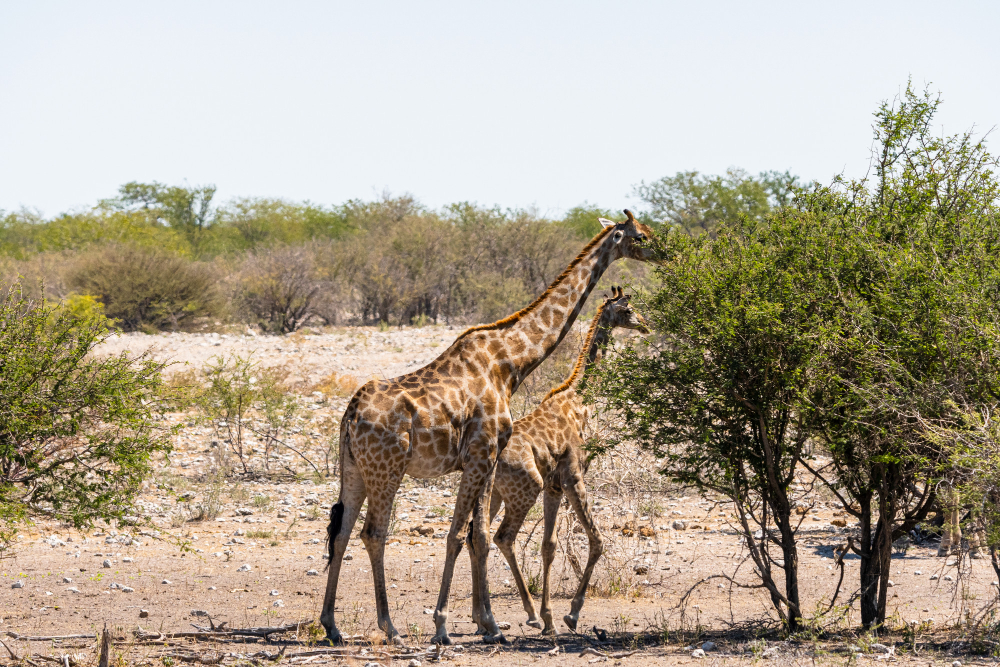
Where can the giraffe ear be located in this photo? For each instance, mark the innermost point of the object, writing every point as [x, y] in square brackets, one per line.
[606, 223]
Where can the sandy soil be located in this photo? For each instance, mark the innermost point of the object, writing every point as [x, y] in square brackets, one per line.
[260, 561]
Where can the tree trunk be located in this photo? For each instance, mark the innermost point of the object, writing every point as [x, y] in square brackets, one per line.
[869, 566]
[791, 555]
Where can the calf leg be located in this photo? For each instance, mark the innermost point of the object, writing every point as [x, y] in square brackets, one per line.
[551, 507]
[576, 492]
[506, 536]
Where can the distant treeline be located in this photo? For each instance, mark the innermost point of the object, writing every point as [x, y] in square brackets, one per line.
[167, 257]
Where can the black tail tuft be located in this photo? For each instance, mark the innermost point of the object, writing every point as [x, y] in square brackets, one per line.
[336, 519]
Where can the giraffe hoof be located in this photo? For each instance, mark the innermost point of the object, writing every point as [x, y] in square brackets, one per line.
[570, 621]
[335, 638]
[535, 623]
[549, 632]
[498, 638]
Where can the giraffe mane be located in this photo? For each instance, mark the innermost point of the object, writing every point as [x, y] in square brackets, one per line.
[581, 361]
[511, 319]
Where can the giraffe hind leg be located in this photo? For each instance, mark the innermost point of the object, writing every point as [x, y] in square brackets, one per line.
[374, 534]
[343, 516]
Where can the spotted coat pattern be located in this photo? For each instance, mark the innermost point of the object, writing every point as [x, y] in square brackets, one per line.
[453, 414]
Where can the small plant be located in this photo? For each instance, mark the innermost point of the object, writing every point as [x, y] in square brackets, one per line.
[533, 581]
[262, 501]
[260, 534]
[651, 508]
[416, 632]
[620, 624]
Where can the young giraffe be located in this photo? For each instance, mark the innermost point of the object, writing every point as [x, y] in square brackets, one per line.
[546, 452]
[453, 414]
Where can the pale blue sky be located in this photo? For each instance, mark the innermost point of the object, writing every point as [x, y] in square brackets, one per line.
[539, 104]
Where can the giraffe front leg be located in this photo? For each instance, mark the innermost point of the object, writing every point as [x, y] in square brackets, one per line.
[576, 492]
[473, 489]
[495, 502]
[551, 507]
[343, 515]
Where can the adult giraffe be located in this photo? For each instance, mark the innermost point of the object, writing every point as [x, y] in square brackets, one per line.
[453, 414]
[546, 452]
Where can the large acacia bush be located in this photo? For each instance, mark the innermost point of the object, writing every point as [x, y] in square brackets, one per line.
[146, 288]
[77, 431]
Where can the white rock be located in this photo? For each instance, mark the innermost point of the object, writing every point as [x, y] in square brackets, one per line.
[17, 584]
[890, 583]
[67, 580]
[348, 557]
[917, 572]
[275, 593]
[73, 589]
[708, 646]
[312, 573]
[957, 663]
[413, 663]
[199, 612]
[106, 563]
[244, 568]
[127, 559]
[698, 653]
[934, 577]
[278, 603]
[128, 589]
[428, 612]
[948, 577]
[679, 525]
[503, 625]
[165, 581]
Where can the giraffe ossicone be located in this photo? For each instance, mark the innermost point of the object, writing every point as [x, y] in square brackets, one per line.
[453, 414]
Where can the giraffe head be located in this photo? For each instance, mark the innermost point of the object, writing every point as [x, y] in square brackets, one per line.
[619, 313]
[632, 238]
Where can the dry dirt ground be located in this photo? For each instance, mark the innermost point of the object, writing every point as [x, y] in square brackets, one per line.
[250, 552]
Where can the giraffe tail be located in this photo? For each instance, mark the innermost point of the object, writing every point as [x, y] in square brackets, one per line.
[337, 511]
[336, 519]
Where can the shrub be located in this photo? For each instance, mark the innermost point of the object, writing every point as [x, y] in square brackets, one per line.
[77, 432]
[238, 388]
[277, 289]
[146, 288]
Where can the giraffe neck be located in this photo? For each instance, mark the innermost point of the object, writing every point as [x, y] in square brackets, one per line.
[597, 338]
[552, 316]
[516, 345]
